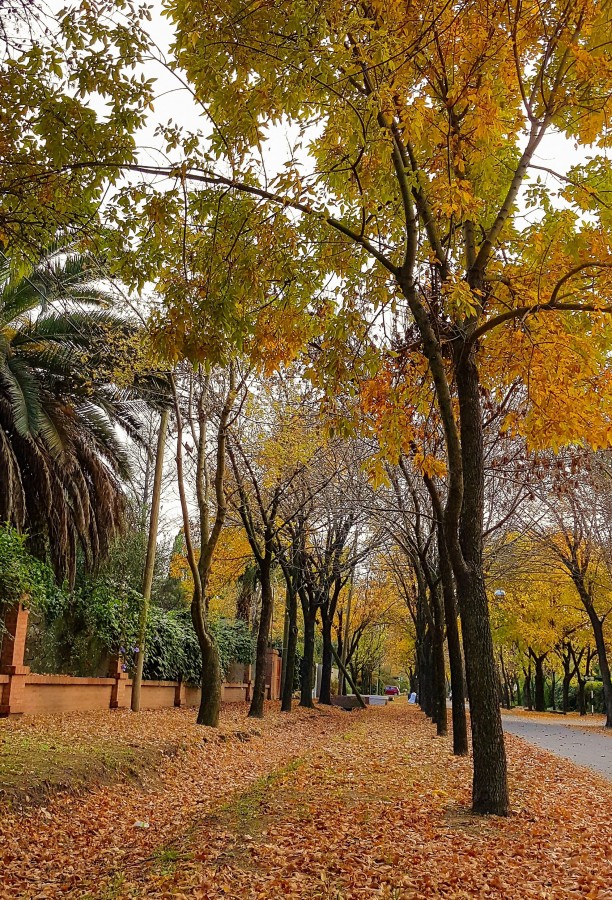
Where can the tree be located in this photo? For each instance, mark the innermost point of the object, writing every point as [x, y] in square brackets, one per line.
[258, 511]
[576, 534]
[269, 455]
[64, 390]
[202, 412]
[417, 148]
[49, 68]
[407, 198]
[418, 530]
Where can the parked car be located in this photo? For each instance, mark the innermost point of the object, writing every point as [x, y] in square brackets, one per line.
[391, 691]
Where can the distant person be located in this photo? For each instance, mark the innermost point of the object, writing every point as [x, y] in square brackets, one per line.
[412, 697]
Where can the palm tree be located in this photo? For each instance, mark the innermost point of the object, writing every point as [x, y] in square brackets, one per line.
[62, 460]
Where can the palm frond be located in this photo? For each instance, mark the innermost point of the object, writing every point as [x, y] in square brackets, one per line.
[22, 390]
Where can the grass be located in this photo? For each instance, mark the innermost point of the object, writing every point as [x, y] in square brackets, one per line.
[34, 766]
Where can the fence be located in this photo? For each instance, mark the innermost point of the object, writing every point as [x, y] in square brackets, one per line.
[23, 691]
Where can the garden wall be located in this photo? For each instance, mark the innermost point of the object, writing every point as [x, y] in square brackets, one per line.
[24, 692]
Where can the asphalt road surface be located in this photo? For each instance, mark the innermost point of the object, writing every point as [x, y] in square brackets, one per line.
[582, 746]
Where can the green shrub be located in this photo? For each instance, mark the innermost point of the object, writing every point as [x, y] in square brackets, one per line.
[78, 632]
[22, 577]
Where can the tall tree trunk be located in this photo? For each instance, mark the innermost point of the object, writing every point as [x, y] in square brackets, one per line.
[553, 688]
[460, 738]
[507, 692]
[306, 686]
[425, 674]
[327, 659]
[490, 783]
[210, 697]
[210, 700]
[256, 709]
[439, 705]
[602, 659]
[292, 637]
[567, 680]
[540, 702]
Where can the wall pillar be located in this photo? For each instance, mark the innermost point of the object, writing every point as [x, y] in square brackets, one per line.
[273, 674]
[12, 696]
[179, 694]
[118, 698]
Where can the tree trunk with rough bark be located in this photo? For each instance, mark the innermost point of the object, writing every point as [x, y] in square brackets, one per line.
[604, 665]
[210, 697]
[292, 638]
[439, 712]
[256, 709]
[306, 686]
[327, 659]
[460, 738]
[490, 783]
[210, 700]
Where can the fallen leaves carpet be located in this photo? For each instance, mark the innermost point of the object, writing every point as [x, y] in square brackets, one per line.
[317, 805]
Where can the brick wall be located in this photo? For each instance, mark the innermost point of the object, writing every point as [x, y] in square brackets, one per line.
[24, 692]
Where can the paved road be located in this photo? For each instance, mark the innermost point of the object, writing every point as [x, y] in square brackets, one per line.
[586, 748]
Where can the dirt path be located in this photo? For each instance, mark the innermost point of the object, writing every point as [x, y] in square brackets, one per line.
[323, 806]
[585, 747]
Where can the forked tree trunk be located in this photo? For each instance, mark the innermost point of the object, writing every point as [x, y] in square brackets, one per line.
[210, 697]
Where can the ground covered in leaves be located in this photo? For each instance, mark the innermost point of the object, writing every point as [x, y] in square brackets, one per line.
[318, 804]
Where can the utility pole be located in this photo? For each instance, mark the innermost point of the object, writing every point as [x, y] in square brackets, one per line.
[147, 582]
